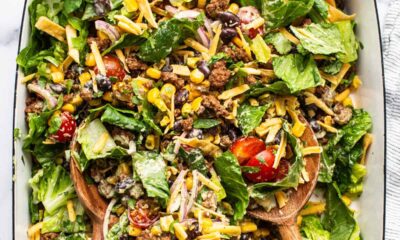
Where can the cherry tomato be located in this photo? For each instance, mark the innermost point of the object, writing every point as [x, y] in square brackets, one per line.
[283, 169]
[247, 147]
[264, 161]
[113, 67]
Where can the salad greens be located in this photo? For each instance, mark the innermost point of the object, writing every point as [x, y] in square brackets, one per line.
[249, 117]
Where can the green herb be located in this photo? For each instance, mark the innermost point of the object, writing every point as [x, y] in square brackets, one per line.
[195, 160]
[228, 169]
[127, 40]
[148, 116]
[250, 117]
[120, 228]
[115, 117]
[205, 123]
[297, 71]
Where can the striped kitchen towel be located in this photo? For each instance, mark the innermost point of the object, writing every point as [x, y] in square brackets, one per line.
[391, 56]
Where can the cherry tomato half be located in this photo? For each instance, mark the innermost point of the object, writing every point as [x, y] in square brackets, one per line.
[113, 67]
[247, 147]
[264, 161]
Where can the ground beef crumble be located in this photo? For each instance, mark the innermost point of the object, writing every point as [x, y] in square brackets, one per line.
[236, 53]
[102, 44]
[34, 105]
[134, 64]
[342, 114]
[174, 79]
[219, 75]
[216, 6]
[211, 102]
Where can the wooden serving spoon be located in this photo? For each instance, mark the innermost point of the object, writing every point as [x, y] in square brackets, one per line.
[88, 194]
[285, 218]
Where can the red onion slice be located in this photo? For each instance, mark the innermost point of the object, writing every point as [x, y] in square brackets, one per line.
[187, 14]
[108, 29]
[51, 101]
[172, 10]
[203, 37]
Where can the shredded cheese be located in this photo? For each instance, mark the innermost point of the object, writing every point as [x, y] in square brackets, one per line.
[122, 58]
[281, 151]
[214, 42]
[246, 45]
[256, 23]
[35, 228]
[181, 70]
[208, 182]
[289, 36]
[367, 141]
[312, 99]
[281, 199]
[313, 208]
[72, 51]
[28, 78]
[53, 29]
[233, 92]
[71, 211]
[335, 15]
[265, 126]
[311, 150]
[98, 58]
[327, 127]
[145, 8]
[195, 45]
[298, 127]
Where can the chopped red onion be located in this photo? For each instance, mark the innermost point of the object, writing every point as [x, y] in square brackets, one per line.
[187, 14]
[108, 29]
[50, 99]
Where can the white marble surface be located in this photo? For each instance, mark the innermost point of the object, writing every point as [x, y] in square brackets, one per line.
[10, 18]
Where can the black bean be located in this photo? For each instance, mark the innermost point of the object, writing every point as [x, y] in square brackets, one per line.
[228, 34]
[178, 126]
[57, 88]
[233, 134]
[229, 19]
[245, 236]
[203, 67]
[103, 83]
[181, 97]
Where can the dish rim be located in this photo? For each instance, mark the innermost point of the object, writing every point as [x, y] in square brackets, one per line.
[384, 116]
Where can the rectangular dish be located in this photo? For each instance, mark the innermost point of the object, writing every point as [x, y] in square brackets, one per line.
[370, 97]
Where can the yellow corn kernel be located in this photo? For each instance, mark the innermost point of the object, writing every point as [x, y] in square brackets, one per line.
[102, 35]
[348, 102]
[247, 227]
[201, 3]
[196, 104]
[206, 223]
[253, 102]
[192, 62]
[281, 198]
[180, 232]
[123, 169]
[189, 183]
[237, 41]
[342, 96]
[153, 73]
[108, 96]
[165, 223]
[165, 121]
[186, 109]
[77, 100]
[69, 108]
[71, 211]
[356, 82]
[131, 5]
[84, 78]
[134, 231]
[156, 231]
[153, 95]
[233, 8]
[196, 76]
[53, 29]
[90, 61]
[35, 228]
[150, 142]
[53, 68]
[313, 208]
[57, 77]
[168, 90]
[120, 210]
[95, 102]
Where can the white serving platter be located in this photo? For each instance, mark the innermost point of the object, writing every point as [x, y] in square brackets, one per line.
[371, 205]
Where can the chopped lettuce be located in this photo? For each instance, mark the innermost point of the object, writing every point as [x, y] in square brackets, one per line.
[148, 116]
[338, 218]
[249, 117]
[312, 228]
[279, 13]
[151, 169]
[202, 123]
[52, 187]
[278, 87]
[127, 40]
[320, 38]
[119, 229]
[228, 169]
[260, 49]
[332, 68]
[297, 71]
[112, 116]
[349, 42]
[168, 37]
[319, 12]
[195, 160]
[280, 42]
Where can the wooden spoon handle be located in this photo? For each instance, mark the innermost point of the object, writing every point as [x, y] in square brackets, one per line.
[289, 232]
[97, 230]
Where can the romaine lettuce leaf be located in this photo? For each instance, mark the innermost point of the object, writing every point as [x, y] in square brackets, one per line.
[279, 13]
[260, 49]
[312, 228]
[168, 37]
[349, 41]
[151, 169]
[119, 229]
[297, 71]
[280, 42]
[202, 123]
[338, 219]
[249, 117]
[115, 117]
[195, 160]
[319, 38]
[127, 40]
[228, 169]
